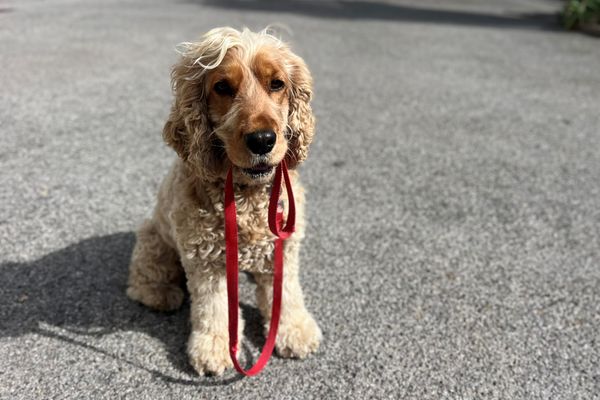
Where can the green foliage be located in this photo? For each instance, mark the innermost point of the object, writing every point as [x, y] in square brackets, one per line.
[578, 12]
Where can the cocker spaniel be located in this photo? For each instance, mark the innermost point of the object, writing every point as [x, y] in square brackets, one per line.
[242, 100]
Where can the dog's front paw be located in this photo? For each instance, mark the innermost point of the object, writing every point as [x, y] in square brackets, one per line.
[298, 338]
[209, 353]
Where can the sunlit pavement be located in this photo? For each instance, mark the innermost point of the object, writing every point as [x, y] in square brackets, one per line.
[453, 247]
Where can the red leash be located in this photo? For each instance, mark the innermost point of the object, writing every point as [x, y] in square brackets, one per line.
[231, 256]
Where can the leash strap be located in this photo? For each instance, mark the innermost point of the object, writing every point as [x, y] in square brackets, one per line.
[231, 256]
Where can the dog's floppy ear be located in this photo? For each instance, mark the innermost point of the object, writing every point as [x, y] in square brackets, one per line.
[301, 120]
[187, 122]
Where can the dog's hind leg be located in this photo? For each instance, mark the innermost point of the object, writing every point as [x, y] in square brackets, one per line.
[155, 272]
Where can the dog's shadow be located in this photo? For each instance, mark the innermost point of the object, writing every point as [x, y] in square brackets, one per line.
[81, 290]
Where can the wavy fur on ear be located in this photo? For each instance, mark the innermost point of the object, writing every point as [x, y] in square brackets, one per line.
[301, 120]
[178, 129]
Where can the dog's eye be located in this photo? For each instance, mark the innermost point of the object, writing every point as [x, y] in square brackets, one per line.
[276, 85]
[223, 88]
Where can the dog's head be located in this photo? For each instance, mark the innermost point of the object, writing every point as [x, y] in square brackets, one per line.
[241, 100]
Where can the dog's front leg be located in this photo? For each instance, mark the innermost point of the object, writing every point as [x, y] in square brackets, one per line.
[208, 345]
[298, 335]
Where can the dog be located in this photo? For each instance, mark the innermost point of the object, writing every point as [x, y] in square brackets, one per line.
[241, 101]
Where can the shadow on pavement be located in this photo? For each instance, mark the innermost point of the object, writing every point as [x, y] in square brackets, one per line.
[81, 289]
[391, 12]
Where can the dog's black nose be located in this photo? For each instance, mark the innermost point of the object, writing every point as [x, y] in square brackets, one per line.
[261, 142]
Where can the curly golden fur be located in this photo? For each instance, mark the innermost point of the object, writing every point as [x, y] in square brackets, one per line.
[227, 86]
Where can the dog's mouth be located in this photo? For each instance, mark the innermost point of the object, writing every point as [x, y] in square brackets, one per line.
[258, 171]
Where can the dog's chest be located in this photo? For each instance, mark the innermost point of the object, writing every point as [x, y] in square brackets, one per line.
[205, 244]
[255, 242]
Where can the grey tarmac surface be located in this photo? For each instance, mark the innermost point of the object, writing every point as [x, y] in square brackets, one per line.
[453, 246]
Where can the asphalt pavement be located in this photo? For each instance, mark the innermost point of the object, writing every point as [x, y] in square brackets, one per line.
[453, 245]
